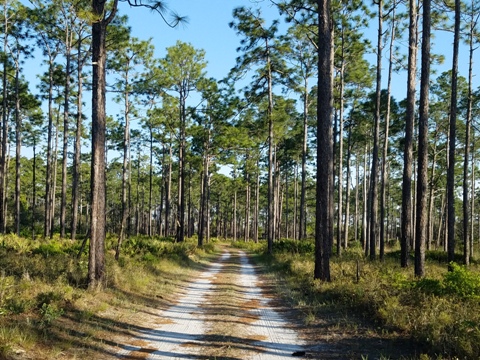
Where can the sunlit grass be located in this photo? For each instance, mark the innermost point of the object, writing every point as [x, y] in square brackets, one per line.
[441, 312]
[46, 310]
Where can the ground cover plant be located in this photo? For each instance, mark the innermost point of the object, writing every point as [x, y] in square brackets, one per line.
[47, 312]
[435, 317]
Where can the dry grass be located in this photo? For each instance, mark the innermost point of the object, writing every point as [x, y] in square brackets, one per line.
[386, 313]
[48, 315]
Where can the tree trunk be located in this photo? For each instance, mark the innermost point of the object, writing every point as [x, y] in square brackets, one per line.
[125, 173]
[181, 175]
[66, 114]
[302, 221]
[466, 216]
[150, 185]
[257, 205]
[54, 175]
[96, 264]
[247, 203]
[34, 187]
[373, 195]
[347, 195]
[431, 197]
[383, 200]
[357, 200]
[271, 185]
[452, 139]
[406, 225]
[78, 146]
[18, 143]
[168, 196]
[3, 152]
[422, 177]
[324, 187]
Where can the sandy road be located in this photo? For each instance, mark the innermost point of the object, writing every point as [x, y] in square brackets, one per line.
[222, 314]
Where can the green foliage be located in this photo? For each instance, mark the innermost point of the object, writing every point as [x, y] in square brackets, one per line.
[429, 286]
[49, 313]
[51, 248]
[441, 312]
[462, 282]
[294, 247]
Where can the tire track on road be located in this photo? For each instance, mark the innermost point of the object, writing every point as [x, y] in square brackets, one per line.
[224, 315]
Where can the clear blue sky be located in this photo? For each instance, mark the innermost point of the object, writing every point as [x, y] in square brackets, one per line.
[207, 29]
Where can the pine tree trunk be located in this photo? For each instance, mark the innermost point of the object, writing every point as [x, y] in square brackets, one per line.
[452, 139]
[383, 200]
[271, 184]
[168, 186]
[257, 205]
[247, 202]
[125, 174]
[66, 114]
[78, 147]
[96, 265]
[340, 149]
[55, 175]
[302, 221]
[18, 145]
[466, 216]
[347, 195]
[180, 235]
[4, 134]
[357, 200]
[373, 195]
[422, 177]
[324, 204]
[431, 197]
[407, 221]
[34, 187]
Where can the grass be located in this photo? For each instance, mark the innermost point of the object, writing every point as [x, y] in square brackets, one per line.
[47, 312]
[437, 317]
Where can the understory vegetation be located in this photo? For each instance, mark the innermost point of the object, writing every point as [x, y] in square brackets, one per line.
[439, 315]
[47, 312]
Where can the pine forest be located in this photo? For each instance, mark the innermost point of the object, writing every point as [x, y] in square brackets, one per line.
[339, 151]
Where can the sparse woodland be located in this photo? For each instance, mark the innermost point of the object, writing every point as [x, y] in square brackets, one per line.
[364, 200]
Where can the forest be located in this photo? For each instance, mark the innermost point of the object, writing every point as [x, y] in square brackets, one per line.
[304, 147]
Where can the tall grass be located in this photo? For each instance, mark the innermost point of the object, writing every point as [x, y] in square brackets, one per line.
[45, 307]
[440, 313]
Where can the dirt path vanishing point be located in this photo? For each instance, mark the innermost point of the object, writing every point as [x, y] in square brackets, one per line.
[223, 314]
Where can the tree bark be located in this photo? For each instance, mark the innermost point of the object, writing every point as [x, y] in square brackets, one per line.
[271, 184]
[96, 264]
[66, 114]
[452, 139]
[324, 187]
[373, 195]
[384, 179]
[78, 146]
[407, 225]
[302, 233]
[422, 177]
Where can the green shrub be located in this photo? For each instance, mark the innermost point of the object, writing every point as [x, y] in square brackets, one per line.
[48, 298]
[461, 282]
[18, 305]
[429, 286]
[49, 249]
[49, 313]
[294, 247]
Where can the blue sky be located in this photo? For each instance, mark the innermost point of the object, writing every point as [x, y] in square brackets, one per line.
[207, 29]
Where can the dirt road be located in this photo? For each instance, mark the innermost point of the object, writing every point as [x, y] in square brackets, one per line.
[223, 314]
